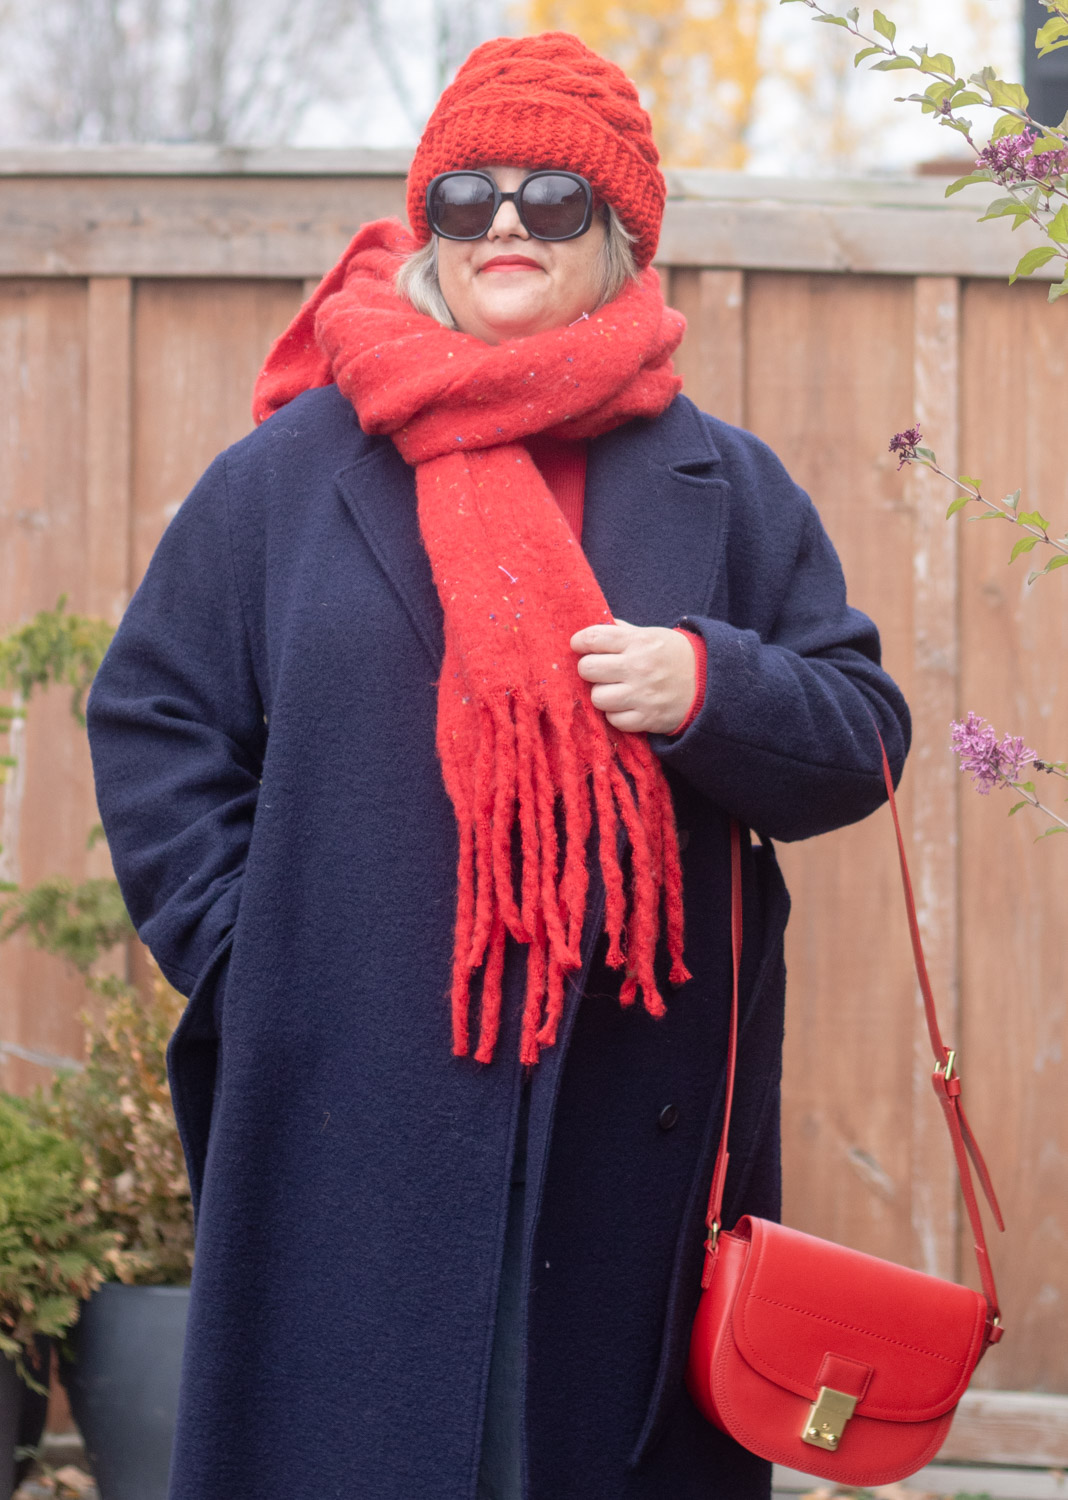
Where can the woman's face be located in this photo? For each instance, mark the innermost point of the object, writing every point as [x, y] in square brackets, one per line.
[508, 284]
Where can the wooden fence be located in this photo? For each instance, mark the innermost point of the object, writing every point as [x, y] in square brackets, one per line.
[138, 294]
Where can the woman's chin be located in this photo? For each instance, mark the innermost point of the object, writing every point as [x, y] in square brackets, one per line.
[511, 314]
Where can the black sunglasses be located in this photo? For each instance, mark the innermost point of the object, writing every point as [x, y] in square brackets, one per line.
[551, 205]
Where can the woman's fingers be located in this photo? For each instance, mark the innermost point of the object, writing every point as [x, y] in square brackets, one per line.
[603, 638]
[613, 697]
[642, 676]
[603, 667]
[631, 721]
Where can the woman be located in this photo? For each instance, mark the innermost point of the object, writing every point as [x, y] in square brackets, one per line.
[426, 807]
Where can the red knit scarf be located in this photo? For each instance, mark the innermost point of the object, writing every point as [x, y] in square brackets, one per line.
[520, 743]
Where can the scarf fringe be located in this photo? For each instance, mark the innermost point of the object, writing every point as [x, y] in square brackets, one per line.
[527, 771]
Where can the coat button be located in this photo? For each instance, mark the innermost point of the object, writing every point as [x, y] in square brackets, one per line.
[668, 1117]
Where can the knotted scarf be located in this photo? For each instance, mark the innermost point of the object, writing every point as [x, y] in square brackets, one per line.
[528, 762]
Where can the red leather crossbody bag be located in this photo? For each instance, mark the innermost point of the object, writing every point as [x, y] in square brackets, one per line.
[819, 1357]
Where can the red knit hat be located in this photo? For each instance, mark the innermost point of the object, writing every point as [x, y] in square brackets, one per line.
[546, 101]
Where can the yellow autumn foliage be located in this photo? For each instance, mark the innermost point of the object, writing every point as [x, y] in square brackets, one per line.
[696, 63]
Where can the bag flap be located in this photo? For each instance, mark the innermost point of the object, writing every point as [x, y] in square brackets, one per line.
[811, 1313]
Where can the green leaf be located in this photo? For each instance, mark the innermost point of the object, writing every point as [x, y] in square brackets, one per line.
[1032, 260]
[1056, 829]
[958, 504]
[976, 484]
[1016, 807]
[963, 182]
[854, 14]
[936, 62]
[1060, 561]
[1008, 95]
[884, 27]
[1025, 544]
[1058, 289]
[1047, 36]
[1030, 517]
[865, 52]
[889, 64]
[1047, 143]
[969, 96]
[833, 20]
[926, 453]
[1002, 207]
[964, 126]
[1012, 501]
[1008, 125]
[1057, 228]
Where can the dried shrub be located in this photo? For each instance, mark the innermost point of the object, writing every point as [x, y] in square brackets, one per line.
[117, 1111]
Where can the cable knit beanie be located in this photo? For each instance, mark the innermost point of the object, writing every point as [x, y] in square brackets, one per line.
[546, 101]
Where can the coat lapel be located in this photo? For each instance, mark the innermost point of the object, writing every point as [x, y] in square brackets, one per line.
[379, 490]
[654, 518]
[653, 523]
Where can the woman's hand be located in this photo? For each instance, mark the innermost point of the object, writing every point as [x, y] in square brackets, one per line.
[644, 676]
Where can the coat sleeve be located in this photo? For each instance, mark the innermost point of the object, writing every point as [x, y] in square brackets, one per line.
[786, 737]
[177, 734]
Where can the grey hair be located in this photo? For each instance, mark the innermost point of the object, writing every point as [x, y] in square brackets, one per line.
[417, 279]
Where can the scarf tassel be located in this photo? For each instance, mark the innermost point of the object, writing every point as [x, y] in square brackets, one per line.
[527, 773]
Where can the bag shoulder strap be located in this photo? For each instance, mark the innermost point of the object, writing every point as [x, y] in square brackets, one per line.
[946, 1077]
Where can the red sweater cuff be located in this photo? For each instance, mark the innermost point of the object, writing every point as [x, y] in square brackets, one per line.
[700, 651]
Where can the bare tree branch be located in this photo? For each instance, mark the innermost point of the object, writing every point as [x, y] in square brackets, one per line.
[225, 71]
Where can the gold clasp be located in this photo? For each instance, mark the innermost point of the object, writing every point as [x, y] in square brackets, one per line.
[946, 1069]
[713, 1236]
[827, 1420]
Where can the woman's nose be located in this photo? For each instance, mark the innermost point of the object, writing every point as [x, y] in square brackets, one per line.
[507, 222]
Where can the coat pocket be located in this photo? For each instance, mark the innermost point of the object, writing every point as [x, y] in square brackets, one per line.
[192, 1063]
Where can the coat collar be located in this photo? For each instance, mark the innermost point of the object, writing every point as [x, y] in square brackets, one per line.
[653, 521]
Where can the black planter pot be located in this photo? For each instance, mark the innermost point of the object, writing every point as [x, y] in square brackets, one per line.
[22, 1415]
[123, 1385]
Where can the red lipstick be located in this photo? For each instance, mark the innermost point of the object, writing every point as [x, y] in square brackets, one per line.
[510, 263]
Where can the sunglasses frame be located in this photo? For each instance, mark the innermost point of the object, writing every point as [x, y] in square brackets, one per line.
[499, 197]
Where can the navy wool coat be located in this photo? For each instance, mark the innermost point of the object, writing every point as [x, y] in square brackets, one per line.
[262, 731]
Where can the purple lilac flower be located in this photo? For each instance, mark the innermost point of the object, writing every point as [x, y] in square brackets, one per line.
[1011, 159]
[905, 444]
[990, 762]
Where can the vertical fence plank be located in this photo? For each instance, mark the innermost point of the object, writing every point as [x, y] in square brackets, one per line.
[1014, 958]
[107, 456]
[108, 391]
[711, 359]
[932, 773]
[198, 346]
[42, 555]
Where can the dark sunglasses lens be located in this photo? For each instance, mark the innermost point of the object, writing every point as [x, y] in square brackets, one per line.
[554, 207]
[461, 207]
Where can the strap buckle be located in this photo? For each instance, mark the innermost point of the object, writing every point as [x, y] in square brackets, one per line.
[713, 1236]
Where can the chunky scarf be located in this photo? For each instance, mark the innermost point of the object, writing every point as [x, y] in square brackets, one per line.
[528, 762]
